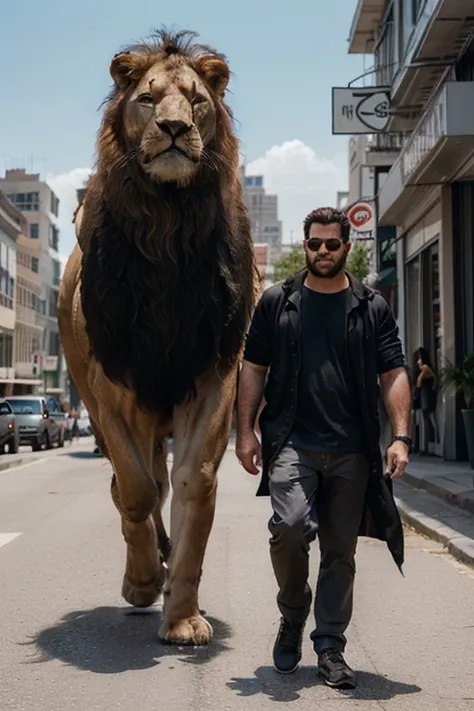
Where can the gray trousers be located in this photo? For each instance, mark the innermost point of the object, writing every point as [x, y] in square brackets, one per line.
[317, 494]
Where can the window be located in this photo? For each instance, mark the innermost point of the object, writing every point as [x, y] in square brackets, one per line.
[53, 307]
[54, 238]
[6, 348]
[5, 409]
[385, 56]
[34, 230]
[259, 181]
[26, 407]
[54, 207]
[35, 264]
[54, 344]
[26, 202]
[56, 272]
[7, 275]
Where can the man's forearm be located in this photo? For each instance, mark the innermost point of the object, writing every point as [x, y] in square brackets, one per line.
[251, 387]
[397, 399]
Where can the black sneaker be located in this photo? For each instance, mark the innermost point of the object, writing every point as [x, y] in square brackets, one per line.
[334, 670]
[287, 648]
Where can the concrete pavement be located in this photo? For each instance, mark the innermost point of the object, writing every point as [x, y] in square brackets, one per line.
[70, 642]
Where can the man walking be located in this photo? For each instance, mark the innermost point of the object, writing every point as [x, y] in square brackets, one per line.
[319, 346]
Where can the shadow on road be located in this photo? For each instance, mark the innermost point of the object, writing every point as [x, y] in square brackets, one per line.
[83, 455]
[287, 688]
[111, 640]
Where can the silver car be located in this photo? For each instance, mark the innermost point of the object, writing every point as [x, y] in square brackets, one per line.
[38, 426]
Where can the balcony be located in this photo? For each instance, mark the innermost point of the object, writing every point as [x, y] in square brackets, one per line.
[384, 148]
[363, 31]
[441, 31]
[435, 154]
[29, 245]
[26, 316]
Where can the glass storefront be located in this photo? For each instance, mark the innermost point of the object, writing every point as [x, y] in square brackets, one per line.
[424, 329]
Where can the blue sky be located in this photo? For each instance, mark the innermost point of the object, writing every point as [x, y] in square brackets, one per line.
[285, 57]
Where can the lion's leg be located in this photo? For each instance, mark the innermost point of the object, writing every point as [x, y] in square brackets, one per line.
[161, 477]
[130, 437]
[201, 433]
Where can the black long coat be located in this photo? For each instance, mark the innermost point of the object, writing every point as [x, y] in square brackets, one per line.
[373, 347]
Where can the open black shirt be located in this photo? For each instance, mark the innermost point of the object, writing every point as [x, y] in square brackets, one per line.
[327, 416]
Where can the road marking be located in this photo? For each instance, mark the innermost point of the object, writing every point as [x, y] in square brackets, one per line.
[8, 538]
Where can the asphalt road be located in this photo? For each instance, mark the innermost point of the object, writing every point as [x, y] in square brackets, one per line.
[69, 642]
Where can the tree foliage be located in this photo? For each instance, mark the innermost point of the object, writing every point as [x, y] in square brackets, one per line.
[290, 263]
[358, 261]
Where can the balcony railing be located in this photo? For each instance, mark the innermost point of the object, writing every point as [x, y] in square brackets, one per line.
[25, 315]
[388, 142]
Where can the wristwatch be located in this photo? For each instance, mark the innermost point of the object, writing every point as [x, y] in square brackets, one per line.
[403, 438]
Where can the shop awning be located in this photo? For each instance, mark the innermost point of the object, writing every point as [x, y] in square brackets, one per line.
[387, 278]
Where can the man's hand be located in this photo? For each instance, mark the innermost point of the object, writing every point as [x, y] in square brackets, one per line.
[397, 459]
[249, 452]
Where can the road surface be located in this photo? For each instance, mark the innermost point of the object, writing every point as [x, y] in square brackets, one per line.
[69, 642]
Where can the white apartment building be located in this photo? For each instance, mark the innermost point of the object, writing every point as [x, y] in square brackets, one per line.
[10, 227]
[263, 213]
[40, 207]
[423, 50]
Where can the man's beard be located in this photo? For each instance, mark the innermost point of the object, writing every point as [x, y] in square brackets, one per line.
[330, 273]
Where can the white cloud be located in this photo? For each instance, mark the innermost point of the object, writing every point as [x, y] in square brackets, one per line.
[301, 179]
[65, 186]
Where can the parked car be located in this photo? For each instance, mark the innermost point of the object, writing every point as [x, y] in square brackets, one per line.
[40, 423]
[9, 433]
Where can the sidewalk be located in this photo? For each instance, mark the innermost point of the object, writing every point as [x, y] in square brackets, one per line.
[436, 498]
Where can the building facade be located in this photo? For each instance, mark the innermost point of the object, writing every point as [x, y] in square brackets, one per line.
[424, 51]
[40, 207]
[10, 228]
[263, 214]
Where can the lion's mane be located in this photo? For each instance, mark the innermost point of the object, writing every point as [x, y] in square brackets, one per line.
[167, 271]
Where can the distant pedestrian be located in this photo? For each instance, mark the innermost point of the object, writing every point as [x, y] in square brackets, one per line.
[324, 342]
[75, 426]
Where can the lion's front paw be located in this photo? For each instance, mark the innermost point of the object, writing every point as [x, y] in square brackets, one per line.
[190, 631]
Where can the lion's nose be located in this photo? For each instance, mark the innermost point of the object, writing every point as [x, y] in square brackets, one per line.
[174, 127]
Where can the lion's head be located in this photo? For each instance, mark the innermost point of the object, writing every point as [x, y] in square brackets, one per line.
[167, 108]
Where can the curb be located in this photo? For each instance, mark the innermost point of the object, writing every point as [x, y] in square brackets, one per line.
[459, 546]
[417, 482]
[13, 463]
[5, 466]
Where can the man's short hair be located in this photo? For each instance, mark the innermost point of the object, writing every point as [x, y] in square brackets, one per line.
[327, 216]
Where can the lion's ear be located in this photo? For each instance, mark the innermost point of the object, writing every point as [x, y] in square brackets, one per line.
[215, 71]
[127, 67]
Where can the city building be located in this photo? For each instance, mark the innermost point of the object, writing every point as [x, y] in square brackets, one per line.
[39, 206]
[10, 228]
[263, 213]
[342, 199]
[424, 51]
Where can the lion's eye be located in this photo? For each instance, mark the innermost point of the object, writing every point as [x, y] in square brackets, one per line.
[145, 99]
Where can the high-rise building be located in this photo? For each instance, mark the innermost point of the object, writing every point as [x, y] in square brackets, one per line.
[263, 213]
[40, 207]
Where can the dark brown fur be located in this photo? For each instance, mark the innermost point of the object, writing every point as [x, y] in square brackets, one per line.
[167, 271]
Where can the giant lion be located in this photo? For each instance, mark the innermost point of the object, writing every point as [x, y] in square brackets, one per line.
[153, 309]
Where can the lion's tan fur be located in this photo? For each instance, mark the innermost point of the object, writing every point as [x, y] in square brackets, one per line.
[134, 439]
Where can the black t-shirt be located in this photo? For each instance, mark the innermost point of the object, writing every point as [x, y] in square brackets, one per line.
[328, 416]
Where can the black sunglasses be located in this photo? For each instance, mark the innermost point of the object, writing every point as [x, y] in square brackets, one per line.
[332, 244]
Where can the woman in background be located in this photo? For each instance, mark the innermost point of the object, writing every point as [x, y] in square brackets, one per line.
[426, 395]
